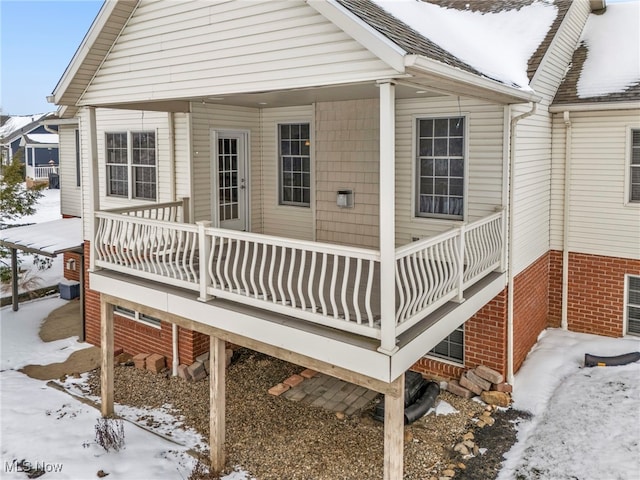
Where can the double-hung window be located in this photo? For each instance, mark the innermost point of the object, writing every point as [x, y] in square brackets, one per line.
[294, 158]
[634, 174]
[452, 347]
[632, 305]
[440, 167]
[131, 165]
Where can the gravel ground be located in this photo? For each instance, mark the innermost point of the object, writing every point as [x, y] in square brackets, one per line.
[273, 438]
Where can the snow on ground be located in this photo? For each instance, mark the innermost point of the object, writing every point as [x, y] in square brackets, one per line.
[613, 57]
[586, 421]
[498, 45]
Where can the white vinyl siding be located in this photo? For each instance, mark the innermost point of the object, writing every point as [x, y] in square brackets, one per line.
[186, 49]
[70, 193]
[601, 220]
[532, 172]
[484, 165]
[282, 220]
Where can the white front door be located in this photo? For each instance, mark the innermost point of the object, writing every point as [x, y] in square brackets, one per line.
[232, 186]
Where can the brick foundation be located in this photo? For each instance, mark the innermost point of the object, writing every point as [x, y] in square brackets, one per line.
[72, 274]
[596, 293]
[135, 337]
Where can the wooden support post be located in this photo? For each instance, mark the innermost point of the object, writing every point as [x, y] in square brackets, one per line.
[217, 371]
[106, 349]
[394, 432]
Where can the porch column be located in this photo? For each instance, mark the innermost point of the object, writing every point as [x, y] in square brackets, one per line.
[394, 432]
[387, 218]
[217, 371]
[94, 182]
[106, 353]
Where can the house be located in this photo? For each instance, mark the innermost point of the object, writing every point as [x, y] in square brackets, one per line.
[343, 184]
[38, 143]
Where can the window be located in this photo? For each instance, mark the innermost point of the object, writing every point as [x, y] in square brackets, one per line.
[632, 305]
[295, 164]
[131, 165]
[440, 168]
[634, 174]
[452, 347]
[137, 316]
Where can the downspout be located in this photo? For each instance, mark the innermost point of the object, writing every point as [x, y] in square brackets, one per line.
[565, 221]
[510, 292]
[175, 353]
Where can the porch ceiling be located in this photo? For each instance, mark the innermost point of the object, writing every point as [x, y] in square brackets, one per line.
[284, 98]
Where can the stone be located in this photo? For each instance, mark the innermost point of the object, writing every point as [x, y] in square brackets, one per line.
[469, 443]
[228, 356]
[122, 358]
[101, 474]
[462, 466]
[140, 361]
[489, 374]
[481, 424]
[155, 363]
[468, 436]
[204, 358]
[461, 448]
[308, 373]
[489, 420]
[469, 385]
[481, 382]
[294, 380]
[183, 372]
[502, 387]
[197, 371]
[408, 436]
[501, 399]
[449, 473]
[207, 365]
[278, 389]
[455, 388]
[340, 415]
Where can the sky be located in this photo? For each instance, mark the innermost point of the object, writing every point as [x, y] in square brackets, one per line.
[37, 41]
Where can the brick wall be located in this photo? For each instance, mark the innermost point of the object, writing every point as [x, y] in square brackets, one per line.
[136, 337]
[530, 308]
[73, 275]
[485, 333]
[555, 288]
[596, 293]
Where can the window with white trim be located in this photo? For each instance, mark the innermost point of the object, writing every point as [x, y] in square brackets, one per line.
[137, 316]
[634, 174]
[632, 305]
[294, 158]
[440, 168]
[452, 347]
[131, 165]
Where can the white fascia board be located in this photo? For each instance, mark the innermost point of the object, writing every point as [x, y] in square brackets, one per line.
[367, 36]
[595, 106]
[62, 121]
[83, 50]
[511, 94]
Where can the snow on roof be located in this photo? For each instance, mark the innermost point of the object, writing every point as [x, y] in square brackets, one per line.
[497, 44]
[15, 123]
[50, 238]
[613, 58]
[47, 138]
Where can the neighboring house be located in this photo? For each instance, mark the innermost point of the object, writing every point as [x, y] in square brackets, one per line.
[319, 181]
[38, 143]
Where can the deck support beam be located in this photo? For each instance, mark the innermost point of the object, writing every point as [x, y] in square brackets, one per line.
[387, 217]
[217, 371]
[106, 355]
[394, 432]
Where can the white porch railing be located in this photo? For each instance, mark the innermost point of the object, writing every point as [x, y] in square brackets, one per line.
[332, 285]
[40, 172]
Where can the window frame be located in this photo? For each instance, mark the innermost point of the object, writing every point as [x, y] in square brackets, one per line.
[630, 166]
[280, 160]
[447, 358]
[136, 316]
[416, 213]
[130, 167]
[627, 305]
